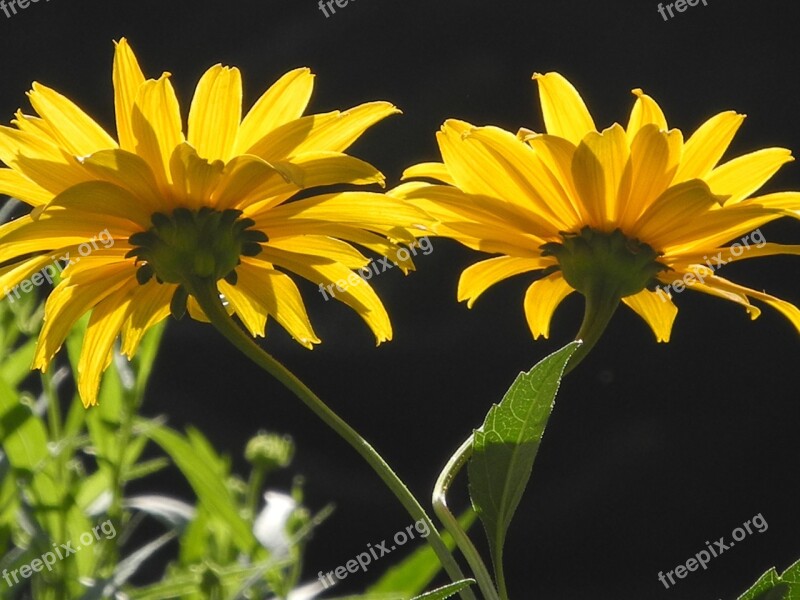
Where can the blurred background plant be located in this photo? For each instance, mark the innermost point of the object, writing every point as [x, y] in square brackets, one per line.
[65, 470]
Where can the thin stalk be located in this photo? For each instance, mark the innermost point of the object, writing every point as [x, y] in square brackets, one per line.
[55, 424]
[599, 309]
[450, 522]
[207, 296]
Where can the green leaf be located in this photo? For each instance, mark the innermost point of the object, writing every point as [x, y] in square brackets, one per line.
[23, 438]
[415, 573]
[146, 356]
[17, 366]
[22, 434]
[771, 586]
[505, 447]
[446, 591]
[143, 469]
[202, 471]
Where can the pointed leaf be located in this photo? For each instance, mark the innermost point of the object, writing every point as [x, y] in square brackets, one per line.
[446, 591]
[771, 586]
[505, 446]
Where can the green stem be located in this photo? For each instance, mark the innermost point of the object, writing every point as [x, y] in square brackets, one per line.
[463, 542]
[55, 423]
[258, 475]
[207, 296]
[600, 307]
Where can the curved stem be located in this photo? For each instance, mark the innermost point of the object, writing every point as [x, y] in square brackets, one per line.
[600, 307]
[463, 542]
[207, 296]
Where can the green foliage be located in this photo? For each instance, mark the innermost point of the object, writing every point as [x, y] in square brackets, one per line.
[446, 591]
[63, 477]
[412, 575]
[771, 586]
[505, 448]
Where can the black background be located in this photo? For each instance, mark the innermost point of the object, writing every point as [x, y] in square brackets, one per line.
[652, 449]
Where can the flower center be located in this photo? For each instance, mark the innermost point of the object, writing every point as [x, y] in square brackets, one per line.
[594, 262]
[191, 245]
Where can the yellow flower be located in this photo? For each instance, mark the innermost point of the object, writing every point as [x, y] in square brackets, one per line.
[210, 205]
[615, 215]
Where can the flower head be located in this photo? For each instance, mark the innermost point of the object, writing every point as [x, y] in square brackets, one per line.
[212, 204]
[616, 215]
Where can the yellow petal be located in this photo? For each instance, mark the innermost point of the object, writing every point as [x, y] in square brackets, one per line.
[128, 171]
[747, 248]
[654, 160]
[564, 111]
[59, 228]
[646, 111]
[598, 170]
[248, 179]
[215, 113]
[12, 275]
[744, 175]
[431, 170]
[376, 243]
[75, 130]
[127, 78]
[786, 202]
[323, 249]
[38, 159]
[787, 309]
[280, 298]
[156, 125]
[246, 306]
[360, 297]
[533, 187]
[717, 227]
[365, 209]
[339, 134]
[17, 185]
[478, 170]
[103, 198]
[67, 303]
[556, 155]
[697, 274]
[194, 179]
[657, 310]
[149, 306]
[97, 348]
[283, 102]
[681, 206]
[541, 301]
[707, 145]
[312, 169]
[333, 132]
[479, 277]
[35, 126]
[479, 222]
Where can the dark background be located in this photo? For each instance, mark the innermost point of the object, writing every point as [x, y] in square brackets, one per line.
[652, 449]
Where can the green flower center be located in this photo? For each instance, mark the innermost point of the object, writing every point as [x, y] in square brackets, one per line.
[607, 264]
[192, 245]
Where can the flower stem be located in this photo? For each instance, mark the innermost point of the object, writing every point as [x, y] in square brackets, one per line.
[600, 307]
[452, 525]
[207, 296]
